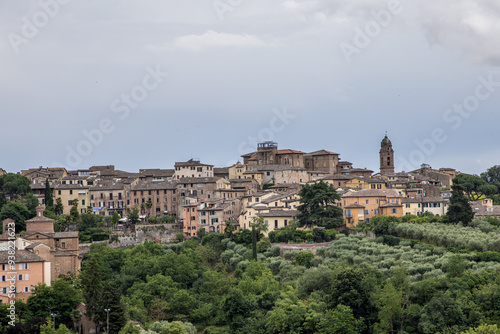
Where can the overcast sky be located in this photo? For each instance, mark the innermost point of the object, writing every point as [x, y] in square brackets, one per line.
[142, 84]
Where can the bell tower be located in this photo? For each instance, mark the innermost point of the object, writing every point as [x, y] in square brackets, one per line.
[386, 156]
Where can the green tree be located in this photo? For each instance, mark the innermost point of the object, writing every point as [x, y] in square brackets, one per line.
[148, 206]
[116, 218]
[62, 296]
[228, 228]
[440, 312]
[455, 266]
[293, 315]
[92, 287]
[17, 211]
[111, 299]
[49, 329]
[59, 207]
[49, 196]
[303, 258]
[318, 205]
[14, 185]
[130, 328]
[352, 286]
[459, 210]
[174, 328]
[382, 225]
[390, 304]
[236, 306]
[340, 321]
[31, 203]
[474, 186]
[201, 233]
[133, 216]
[74, 214]
[483, 329]
[258, 225]
[492, 176]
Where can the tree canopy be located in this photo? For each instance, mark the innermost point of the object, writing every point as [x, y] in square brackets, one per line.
[459, 210]
[473, 186]
[318, 205]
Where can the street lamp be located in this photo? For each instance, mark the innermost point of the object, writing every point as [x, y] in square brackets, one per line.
[107, 319]
[54, 315]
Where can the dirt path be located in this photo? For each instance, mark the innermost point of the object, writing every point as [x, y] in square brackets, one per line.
[309, 247]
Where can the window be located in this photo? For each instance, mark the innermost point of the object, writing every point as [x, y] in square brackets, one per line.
[376, 211]
[59, 192]
[348, 213]
[276, 224]
[367, 202]
[26, 289]
[407, 206]
[286, 222]
[63, 244]
[71, 192]
[376, 201]
[394, 211]
[83, 202]
[367, 212]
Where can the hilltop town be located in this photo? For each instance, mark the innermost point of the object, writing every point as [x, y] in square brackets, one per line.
[53, 218]
[266, 183]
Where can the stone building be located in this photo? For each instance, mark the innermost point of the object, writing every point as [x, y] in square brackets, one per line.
[322, 160]
[164, 197]
[192, 168]
[109, 197]
[386, 156]
[63, 247]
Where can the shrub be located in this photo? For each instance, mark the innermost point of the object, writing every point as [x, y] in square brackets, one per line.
[303, 258]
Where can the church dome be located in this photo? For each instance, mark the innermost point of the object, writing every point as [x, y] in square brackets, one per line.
[386, 141]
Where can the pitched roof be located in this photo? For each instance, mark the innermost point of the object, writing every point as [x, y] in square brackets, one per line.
[21, 256]
[198, 179]
[62, 235]
[221, 170]
[374, 193]
[108, 185]
[39, 219]
[322, 152]
[152, 185]
[287, 151]
[190, 162]
[280, 213]
[157, 172]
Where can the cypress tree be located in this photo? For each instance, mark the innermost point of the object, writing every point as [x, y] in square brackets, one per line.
[49, 197]
[459, 210]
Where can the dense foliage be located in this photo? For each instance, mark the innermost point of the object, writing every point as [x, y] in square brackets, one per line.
[318, 205]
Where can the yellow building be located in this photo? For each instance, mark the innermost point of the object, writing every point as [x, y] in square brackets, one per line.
[236, 171]
[367, 203]
[276, 219]
[70, 192]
